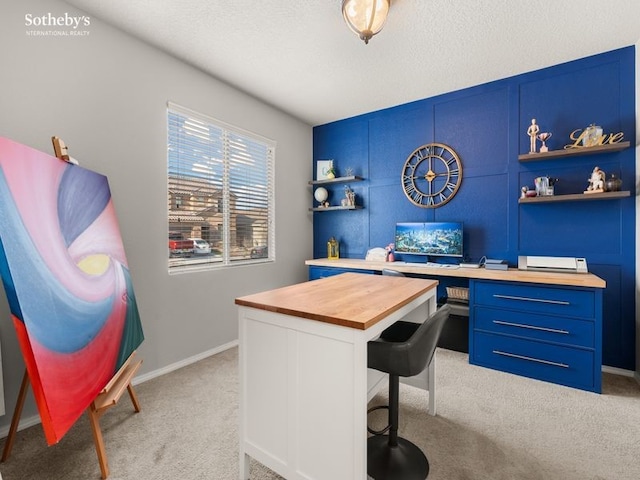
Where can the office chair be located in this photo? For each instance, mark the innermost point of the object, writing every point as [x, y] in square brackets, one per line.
[402, 350]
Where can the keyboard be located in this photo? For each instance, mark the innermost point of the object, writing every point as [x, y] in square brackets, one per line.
[448, 266]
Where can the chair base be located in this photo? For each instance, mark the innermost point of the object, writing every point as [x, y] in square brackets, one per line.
[402, 462]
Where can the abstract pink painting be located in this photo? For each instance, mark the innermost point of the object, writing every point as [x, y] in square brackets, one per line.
[67, 281]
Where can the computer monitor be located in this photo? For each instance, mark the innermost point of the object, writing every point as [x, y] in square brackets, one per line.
[442, 239]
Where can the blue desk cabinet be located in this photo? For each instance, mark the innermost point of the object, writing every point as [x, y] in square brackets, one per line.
[321, 272]
[551, 333]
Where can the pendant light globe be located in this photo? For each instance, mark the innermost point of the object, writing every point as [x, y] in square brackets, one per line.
[365, 18]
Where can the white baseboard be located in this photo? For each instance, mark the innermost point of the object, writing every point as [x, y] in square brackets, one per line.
[35, 419]
[618, 371]
[183, 363]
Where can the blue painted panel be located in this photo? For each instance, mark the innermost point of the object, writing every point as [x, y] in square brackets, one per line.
[394, 136]
[618, 342]
[562, 103]
[349, 227]
[575, 229]
[388, 206]
[346, 143]
[482, 205]
[476, 127]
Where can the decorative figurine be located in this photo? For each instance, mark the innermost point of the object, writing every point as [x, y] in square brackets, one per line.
[350, 195]
[543, 137]
[333, 249]
[390, 257]
[596, 181]
[532, 131]
[523, 192]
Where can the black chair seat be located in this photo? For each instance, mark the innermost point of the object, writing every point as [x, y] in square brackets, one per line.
[403, 350]
[406, 348]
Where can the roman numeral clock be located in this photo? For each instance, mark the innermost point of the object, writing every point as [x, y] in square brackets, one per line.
[431, 175]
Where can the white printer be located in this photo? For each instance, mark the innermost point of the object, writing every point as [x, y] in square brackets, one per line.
[553, 264]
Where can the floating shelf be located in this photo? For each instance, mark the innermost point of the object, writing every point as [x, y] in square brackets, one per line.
[337, 207]
[351, 178]
[576, 197]
[573, 152]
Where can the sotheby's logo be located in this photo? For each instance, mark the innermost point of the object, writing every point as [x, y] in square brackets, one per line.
[50, 25]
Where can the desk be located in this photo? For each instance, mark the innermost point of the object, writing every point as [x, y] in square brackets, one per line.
[304, 382]
[542, 325]
[510, 275]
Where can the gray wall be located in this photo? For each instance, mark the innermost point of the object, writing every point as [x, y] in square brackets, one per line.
[105, 95]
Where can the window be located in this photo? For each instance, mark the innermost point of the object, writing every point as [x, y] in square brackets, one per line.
[220, 193]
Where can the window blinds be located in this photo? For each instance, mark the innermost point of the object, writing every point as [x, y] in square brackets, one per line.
[220, 190]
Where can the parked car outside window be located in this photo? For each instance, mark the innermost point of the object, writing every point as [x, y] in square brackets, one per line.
[201, 247]
[259, 252]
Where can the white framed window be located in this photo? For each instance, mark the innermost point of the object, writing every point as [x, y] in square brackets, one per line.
[220, 191]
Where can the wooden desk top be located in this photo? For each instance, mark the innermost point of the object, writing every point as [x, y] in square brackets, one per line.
[510, 275]
[352, 300]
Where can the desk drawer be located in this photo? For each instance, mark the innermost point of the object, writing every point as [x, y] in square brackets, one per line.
[568, 331]
[316, 273]
[568, 366]
[532, 298]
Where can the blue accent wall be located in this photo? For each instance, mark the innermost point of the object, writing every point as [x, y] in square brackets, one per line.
[486, 125]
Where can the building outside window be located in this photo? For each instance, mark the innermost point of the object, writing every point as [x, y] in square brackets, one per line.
[220, 193]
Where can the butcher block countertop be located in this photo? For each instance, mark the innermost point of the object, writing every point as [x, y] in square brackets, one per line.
[352, 300]
[511, 275]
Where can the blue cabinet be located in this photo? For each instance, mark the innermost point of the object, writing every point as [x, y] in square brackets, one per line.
[321, 272]
[550, 333]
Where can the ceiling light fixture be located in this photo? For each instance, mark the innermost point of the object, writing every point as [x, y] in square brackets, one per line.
[365, 17]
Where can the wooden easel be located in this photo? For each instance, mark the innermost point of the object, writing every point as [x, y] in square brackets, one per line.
[61, 151]
[108, 396]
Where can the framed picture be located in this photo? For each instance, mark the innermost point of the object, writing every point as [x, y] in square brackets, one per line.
[322, 168]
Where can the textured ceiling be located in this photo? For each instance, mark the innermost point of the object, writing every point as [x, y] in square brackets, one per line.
[300, 56]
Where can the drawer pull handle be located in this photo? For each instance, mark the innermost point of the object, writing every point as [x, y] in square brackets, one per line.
[537, 360]
[527, 299]
[531, 327]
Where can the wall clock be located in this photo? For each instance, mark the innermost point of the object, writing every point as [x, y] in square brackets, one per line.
[431, 175]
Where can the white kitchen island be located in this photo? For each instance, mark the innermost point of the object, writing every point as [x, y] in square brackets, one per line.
[304, 382]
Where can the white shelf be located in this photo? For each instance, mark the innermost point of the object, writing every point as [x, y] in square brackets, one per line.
[337, 207]
[351, 178]
[576, 197]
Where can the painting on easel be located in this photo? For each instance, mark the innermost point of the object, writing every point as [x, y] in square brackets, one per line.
[67, 281]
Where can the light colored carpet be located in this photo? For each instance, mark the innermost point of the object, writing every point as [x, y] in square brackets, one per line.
[490, 425]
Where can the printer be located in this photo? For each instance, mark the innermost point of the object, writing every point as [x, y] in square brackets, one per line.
[553, 264]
